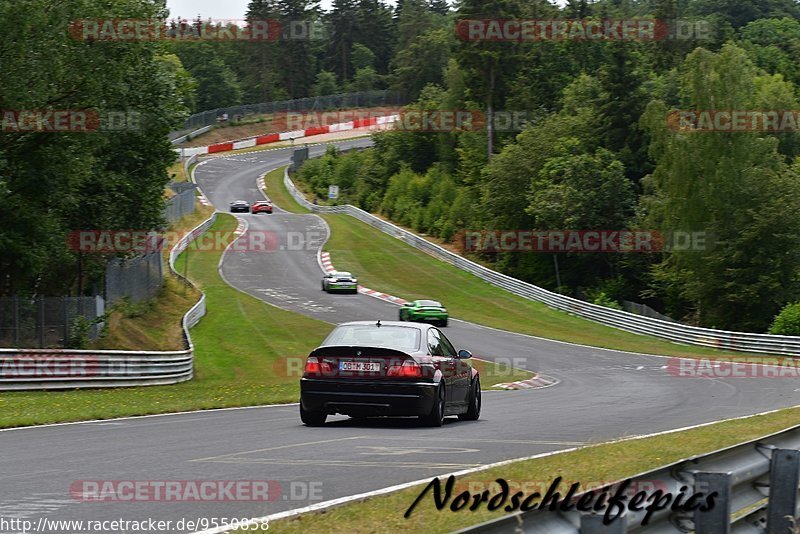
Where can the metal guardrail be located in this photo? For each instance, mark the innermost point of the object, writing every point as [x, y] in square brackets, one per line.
[191, 135]
[36, 369]
[315, 103]
[757, 484]
[630, 322]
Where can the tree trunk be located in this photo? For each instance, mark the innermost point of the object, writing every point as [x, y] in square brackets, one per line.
[490, 115]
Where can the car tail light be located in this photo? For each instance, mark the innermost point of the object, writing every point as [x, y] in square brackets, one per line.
[316, 368]
[409, 369]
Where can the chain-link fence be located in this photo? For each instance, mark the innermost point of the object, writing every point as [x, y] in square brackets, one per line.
[644, 309]
[183, 203]
[362, 99]
[138, 278]
[48, 321]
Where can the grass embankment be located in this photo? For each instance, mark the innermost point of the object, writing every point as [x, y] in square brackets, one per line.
[387, 264]
[155, 324]
[594, 466]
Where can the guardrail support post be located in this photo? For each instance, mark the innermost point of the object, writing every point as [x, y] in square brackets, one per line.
[718, 519]
[593, 524]
[784, 476]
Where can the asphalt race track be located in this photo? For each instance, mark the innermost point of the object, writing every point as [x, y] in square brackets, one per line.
[602, 395]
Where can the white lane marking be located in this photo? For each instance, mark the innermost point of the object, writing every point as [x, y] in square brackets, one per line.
[276, 448]
[402, 451]
[134, 417]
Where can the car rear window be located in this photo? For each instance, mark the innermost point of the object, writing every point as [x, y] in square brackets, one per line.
[430, 303]
[402, 338]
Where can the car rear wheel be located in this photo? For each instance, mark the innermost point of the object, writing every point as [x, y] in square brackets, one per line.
[312, 418]
[436, 417]
[474, 410]
[443, 322]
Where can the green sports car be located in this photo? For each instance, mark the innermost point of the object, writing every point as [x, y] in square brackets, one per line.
[424, 311]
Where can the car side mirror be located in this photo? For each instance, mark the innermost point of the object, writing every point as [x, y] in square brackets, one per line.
[408, 305]
[464, 354]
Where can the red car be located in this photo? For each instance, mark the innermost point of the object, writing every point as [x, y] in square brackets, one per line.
[262, 206]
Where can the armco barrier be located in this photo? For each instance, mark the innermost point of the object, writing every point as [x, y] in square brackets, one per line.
[630, 322]
[191, 135]
[744, 476]
[34, 369]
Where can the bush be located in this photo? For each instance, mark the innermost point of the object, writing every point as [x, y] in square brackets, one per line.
[602, 299]
[787, 322]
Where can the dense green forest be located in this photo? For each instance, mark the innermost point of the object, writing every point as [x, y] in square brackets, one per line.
[599, 154]
[598, 151]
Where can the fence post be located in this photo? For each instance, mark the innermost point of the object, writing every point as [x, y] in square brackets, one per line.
[41, 322]
[16, 325]
[64, 302]
[784, 474]
[718, 519]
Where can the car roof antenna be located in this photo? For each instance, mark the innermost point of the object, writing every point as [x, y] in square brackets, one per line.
[379, 323]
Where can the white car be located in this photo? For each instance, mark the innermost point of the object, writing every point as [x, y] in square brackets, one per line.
[340, 281]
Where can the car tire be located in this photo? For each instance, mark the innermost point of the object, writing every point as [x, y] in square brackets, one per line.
[312, 418]
[436, 417]
[443, 323]
[474, 410]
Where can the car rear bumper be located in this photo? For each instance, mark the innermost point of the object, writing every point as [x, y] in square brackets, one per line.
[428, 317]
[367, 397]
[342, 287]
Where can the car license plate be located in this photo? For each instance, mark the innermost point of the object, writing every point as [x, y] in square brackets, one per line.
[360, 366]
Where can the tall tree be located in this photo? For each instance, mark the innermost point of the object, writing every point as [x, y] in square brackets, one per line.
[485, 61]
[733, 186]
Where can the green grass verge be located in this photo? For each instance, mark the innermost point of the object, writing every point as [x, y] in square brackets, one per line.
[280, 196]
[593, 465]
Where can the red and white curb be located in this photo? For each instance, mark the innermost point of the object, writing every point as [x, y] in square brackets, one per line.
[325, 260]
[241, 229]
[286, 136]
[327, 266]
[537, 382]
